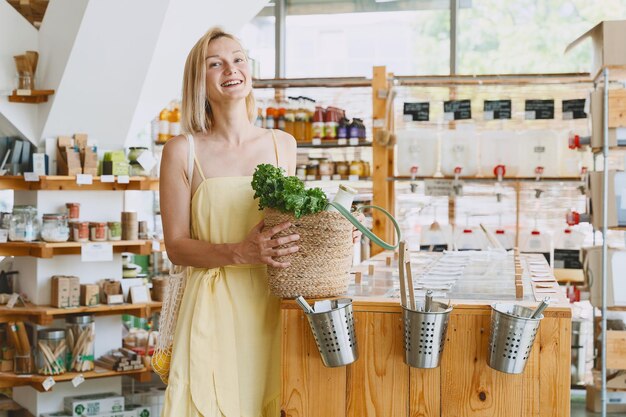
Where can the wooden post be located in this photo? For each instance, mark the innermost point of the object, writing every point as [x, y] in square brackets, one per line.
[517, 209]
[383, 190]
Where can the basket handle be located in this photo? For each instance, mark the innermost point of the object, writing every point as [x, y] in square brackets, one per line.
[356, 223]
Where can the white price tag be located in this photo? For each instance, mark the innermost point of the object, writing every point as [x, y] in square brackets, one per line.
[379, 123]
[568, 115]
[23, 92]
[530, 115]
[146, 160]
[325, 177]
[354, 141]
[48, 383]
[123, 179]
[77, 380]
[4, 235]
[311, 177]
[488, 115]
[336, 177]
[407, 117]
[353, 177]
[96, 252]
[448, 116]
[31, 177]
[342, 141]
[107, 178]
[84, 179]
[156, 246]
[316, 142]
[12, 300]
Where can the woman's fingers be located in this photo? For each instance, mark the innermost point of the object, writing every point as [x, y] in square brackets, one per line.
[276, 229]
[282, 240]
[283, 252]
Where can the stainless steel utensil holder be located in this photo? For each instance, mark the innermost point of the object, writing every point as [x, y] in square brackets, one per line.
[334, 334]
[425, 334]
[512, 336]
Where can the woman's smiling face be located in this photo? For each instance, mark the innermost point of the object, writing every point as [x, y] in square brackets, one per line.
[227, 70]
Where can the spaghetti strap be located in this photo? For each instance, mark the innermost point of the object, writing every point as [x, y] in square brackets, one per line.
[275, 147]
[195, 158]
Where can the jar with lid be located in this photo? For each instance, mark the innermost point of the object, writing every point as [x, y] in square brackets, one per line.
[313, 169]
[24, 225]
[115, 230]
[356, 168]
[327, 168]
[301, 171]
[342, 168]
[136, 170]
[98, 231]
[135, 152]
[51, 352]
[54, 228]
[80, 339]
[80, 231]
[73, 211]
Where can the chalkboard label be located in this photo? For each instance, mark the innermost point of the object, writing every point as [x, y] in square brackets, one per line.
[457, 110]
[567, 258]
[574, 109]
[539, 109]
[434, 248]
[416, 112]
[497, 109]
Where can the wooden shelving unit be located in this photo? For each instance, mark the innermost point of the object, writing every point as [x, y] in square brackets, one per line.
[60, 182]
[49, 250]
[486, 179]
[35, 96]
[10, 380]
[44, 315]
[326, 144]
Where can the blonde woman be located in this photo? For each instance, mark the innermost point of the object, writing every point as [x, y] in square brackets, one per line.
[226, 354]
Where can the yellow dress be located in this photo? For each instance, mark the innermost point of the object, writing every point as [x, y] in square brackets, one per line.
[226, 355]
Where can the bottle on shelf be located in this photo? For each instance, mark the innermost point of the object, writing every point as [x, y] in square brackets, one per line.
[299, 121]
[164, 126]
[174, 121]
[269, 118]
[331, 121]
[309, 108]
[280, 118]
[259, 121]
[290, 117]
[318, 122]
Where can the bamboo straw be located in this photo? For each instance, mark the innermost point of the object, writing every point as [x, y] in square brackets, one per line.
[12, 330]
[23, 337]
[409, 275]
[401, 267]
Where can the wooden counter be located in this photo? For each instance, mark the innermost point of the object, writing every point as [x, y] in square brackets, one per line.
[380, 384]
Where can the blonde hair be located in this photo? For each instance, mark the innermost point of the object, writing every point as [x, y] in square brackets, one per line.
[196, 114]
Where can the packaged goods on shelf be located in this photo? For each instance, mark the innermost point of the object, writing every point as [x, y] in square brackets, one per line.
[65, 291]
[94, 404]
[51, 352]
[115, 163]
[121, 359]
[111, 291]
[68, 158]
[81, 336]
[89, 295]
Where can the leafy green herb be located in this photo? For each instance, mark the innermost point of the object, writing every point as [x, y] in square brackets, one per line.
[287, 194]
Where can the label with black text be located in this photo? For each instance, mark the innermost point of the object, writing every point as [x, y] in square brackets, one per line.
[457, 110]
[574, 109]
[418, 112]
[539, 109]
[497, 109]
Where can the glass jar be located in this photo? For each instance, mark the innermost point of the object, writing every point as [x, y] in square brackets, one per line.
[80, 339]
[98, 231]
[54, 228]
[136, 170]
[135, 152]
[301, 171]
[51, 352]
[115, 230]
[80, 231]
[327, 168]
[342, 168]
[73, 211]
[356, 168]
[24, 225]
[313, 169]
[367, 171]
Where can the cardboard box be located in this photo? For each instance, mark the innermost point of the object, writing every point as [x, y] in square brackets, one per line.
[68, 159]
[617, 117]
[138, 410]
[60, 294]
[93, 405]
[74, 291]
[609, 47]
[597, 202]
[89, 295]
[615, 400]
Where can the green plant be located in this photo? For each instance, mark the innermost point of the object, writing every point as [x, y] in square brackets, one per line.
[286, 193]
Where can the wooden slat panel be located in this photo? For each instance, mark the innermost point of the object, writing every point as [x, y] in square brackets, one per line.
[469, 387]
[424, 392]
[616, 349]
[530, 400]
[309, 389]
[554, 364]
[378, 383]
[617, 108]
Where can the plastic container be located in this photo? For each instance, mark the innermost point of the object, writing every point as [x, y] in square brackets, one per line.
[537, 242]
[567, 246]
[24, 225]
[436, 238]
[499, 154]
[54, 228]
[417, 148]
[540, 151]
[459, 152]
[51, 352]
[80, 340]
[506, 238]
[470, 239]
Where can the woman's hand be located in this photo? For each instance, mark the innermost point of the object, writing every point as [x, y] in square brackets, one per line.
[260, 246]
[356, 233]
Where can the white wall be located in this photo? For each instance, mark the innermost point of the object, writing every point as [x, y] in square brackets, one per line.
[17, 35]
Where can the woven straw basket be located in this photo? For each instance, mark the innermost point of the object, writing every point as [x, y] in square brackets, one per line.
[322, 265]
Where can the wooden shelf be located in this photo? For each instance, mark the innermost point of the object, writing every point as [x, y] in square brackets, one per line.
[48, 250]
[616, 73]
[343, 178]
[620, 228]
[326, 144]
[9, 379]
[44, 315]
[60, 182]
[487, 179]
[35, 96]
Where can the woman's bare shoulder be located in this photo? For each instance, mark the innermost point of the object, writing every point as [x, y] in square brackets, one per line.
[285, 139]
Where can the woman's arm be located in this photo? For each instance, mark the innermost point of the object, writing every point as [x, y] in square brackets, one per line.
[175, 198]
